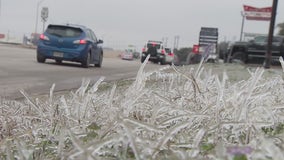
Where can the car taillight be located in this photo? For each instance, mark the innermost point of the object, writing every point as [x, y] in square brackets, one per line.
[163, 51]
[195, 49]
[81, 41]
[143, 49]
[171, 54]
[43, 37]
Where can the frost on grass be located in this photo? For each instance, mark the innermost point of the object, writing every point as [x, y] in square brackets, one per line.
[172, 113]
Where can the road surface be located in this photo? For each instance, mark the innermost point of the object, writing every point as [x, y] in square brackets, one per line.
[20, 70]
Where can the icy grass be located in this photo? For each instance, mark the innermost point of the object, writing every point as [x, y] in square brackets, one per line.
[174, 113]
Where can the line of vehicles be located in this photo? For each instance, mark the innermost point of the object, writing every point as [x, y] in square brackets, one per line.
[158, 53]
[79, 44]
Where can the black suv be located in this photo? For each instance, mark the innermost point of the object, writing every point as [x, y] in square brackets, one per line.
[255, 49]
[157, 53]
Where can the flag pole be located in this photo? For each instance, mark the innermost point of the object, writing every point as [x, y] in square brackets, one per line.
[242, 27]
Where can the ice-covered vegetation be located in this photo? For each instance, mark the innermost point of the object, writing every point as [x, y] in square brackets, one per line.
[173, 113]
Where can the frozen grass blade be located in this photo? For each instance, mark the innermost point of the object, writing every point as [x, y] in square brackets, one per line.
[61, 139]
[82, 151]
[140, 76]
[24, 153]
[143, 125]
[196, 142]
[96, 85]
[182, 117]
[281, 62]
[244, 108]
[161, 143]
[112, 96]
[162, 115]
[274, 152]
[51, 93]
[131, 139]
[198, 70]
[35, 106]
[220, 97]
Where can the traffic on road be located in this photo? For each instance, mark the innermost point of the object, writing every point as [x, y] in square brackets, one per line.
[19, 70]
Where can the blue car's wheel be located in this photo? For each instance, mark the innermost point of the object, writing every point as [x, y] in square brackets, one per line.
[100, 61]
[86, 61]
[40, 58]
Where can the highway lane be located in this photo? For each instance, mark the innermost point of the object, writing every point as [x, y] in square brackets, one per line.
[20, 70]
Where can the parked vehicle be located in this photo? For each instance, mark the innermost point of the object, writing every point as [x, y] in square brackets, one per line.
[157, 53]
[70, 43]
[255, 49]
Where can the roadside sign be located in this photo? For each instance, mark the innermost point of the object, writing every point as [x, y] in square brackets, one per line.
[44, 13]
[259, 14]
[207, 36]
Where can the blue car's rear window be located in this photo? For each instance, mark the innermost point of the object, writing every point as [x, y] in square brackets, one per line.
[64, 31]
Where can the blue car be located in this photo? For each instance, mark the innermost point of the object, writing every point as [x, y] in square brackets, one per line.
[70, 43]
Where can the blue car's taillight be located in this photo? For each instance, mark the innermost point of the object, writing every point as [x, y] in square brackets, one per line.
[81, 41]
[43, 37]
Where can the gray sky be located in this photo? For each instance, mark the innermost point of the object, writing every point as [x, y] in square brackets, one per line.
[123, 22]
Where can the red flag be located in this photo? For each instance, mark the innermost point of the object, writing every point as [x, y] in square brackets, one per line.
[259, 14]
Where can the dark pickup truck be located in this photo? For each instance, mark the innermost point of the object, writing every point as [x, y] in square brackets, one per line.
[255, 49]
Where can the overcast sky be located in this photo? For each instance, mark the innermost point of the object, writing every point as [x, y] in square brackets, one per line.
[123, 22]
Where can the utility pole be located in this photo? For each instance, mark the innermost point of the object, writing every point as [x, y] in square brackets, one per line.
[267, 61]
[176, 42]
[37, 8]
[242, 28]
[0, 7]
[8, 36]
[166, 41]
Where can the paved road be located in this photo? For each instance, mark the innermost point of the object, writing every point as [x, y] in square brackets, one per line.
[20, 70]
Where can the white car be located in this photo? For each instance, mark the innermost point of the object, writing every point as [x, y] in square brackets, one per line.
[127, 55]
[169, 56]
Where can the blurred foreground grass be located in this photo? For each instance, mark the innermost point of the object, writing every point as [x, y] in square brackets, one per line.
[213, 111]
